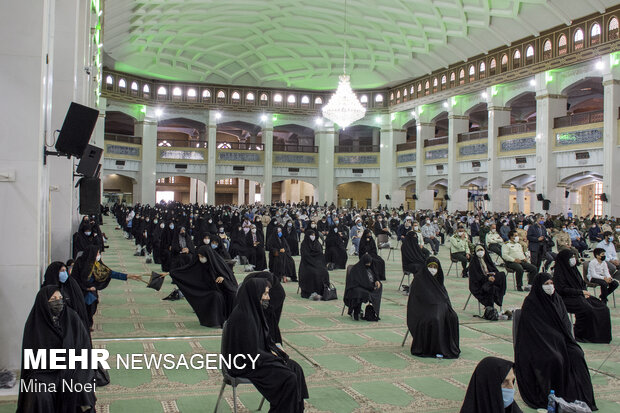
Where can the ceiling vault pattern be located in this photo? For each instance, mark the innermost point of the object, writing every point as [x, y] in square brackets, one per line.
[299, 43]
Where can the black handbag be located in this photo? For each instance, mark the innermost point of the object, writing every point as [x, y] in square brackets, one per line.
[329, 292]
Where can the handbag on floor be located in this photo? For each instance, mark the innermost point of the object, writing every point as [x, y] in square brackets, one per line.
[370, 314]
[329, 292]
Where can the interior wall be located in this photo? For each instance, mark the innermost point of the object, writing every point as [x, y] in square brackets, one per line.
[586, 196]
[117, 183]
[359, 192]
[294, 191]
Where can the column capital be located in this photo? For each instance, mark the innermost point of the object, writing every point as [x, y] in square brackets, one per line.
[499, 108]
[609, 82]
[146, 121]
[427, 124]
[393, 130]
[461, 117]
[551, 96]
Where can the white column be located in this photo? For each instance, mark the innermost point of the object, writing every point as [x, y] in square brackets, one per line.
[268, 165]
[326, 138]
[520, 199]
[549, 105]
[211, 156]
[24, 105]
[498, 195]
[458, 196]
[611, 157]
[374, 195]
[251, 192]
[147, 129]
[241, 191]
[425, 195]
[201, 188]
[572, 199]
[390, 137]
[192, 190]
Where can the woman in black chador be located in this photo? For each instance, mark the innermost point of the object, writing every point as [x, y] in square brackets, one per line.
[491, 388]
[54, 325]
[368, 246]
[292, 238]
[209, 286]
[313, 273]
[592, 319]
[336, 249]
[57, 276]
[277, 377]
[281, 263]
[432, 321]
[182, 249]
[413, 256]
[273, 312]
[362, 286]
[486, 282]
[547, 357]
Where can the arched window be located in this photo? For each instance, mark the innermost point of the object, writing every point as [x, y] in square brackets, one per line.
[452, 79]
[516, 59]
[264, 98]
[547, 49]
[236, 96]
[482, 70]
[472, 73]
[162, 91]
[398, 95]
[305, 100]
[529, 55]
[249, 97]
[504, 63]
[391, 96]
[291, 99]
[364, 99]
[134, 86]
[146, 89]
[444, 80]
[319, 100]
[578, 39]
[191, 93]
[412, 90]
[277, 98]
[122, 84]
[177, 91]
[562, 45]
[379, 98]
[427, 87]
[109, 80]
[612, 33]
[206, 94]
[595, 34]
[404, 92]
[419, 88]
[461, 77]
[492, 66]
[223, 145]
[221, 94]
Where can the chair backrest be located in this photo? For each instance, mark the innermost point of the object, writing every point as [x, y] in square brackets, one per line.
[451, 258]
[222, 349]
[586, 264]
[382, 239]
[516, 317]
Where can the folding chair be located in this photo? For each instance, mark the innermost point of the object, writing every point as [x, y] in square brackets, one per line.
[382, 244]
[231, 381]
[405, 339]
[400, 285]
[593, 285]
[467, 302]
[452, 262]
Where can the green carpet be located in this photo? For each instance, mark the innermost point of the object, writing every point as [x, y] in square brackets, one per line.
[350, 366]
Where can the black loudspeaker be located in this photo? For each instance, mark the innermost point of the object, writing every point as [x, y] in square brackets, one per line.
[546, 204]
[566, 194]
[89, 161]
[540, 197]
[387, 197]
[446, 197]
[469, 195]
[435, 194]
[415, 197]
[90, 196]
[76, 129]
[486, 197]
[603, 197]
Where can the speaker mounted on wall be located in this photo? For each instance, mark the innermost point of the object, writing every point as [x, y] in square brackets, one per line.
[546, 204]
[604, 197]
[540, 197]
[486, 197]
[90, 196]
[388, 197]
[76, 129]
[446, 197]
[89, 161]
[415, 197]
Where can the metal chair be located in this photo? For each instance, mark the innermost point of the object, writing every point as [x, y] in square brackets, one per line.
[400, 285]
[452, 262]
[405, 339]
[467, 302]
[346, 276]
[231, 381]
[593, 285]
[383, 244]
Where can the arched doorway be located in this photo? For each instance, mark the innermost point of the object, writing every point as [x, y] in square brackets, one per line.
[292, 191]
[117, 188]
[356, 194]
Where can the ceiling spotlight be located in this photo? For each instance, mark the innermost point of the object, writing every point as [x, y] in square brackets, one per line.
[445, 105]
[413, 113]
[318, 121]
[484, 95]
[533, 82]
[378, 119]
[600, 65]
[263, 118]
[218, 115]
[159, 112]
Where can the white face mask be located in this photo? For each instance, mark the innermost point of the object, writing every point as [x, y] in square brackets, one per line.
[162, 226]
[312, 237]
[253, 230]
[572, 261]
[433, 271]
[549, 288]
[415, 228]
[206, 241]
[98, 258]
[517, 239]
[480, 254]
[336, 230]
[203, 259]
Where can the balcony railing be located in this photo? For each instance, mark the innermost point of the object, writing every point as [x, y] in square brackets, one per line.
[405, 146]
[181, 143]
[296, 148]
[136, 140]
[241, 146]
[576, 119]
[356, 148]
[471, 136]
[517, 128]
[442, 140]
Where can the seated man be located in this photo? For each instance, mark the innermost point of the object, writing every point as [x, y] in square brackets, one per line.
[429, 236]
[563, 240]
[513, 255]
[611, 257]
[594, 233]
[494, 241]
[598, 273]
[459, 248]
[575, 239]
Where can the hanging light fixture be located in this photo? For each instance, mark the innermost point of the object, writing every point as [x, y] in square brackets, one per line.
[343, 107]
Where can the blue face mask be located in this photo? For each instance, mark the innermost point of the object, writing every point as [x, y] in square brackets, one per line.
[279, 235]
[214, 246]
[509, 396]
[63, 276]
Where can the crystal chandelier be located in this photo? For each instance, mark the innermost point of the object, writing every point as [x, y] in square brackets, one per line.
[343, 107]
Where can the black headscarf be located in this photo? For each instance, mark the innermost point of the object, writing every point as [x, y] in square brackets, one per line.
[357, 284]
[412, 254]
[66, 332]
[547, 357]
[484, 394]
[70, 290]
[276, 302]
[567, 280]
[367, 243]
[84, 267]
